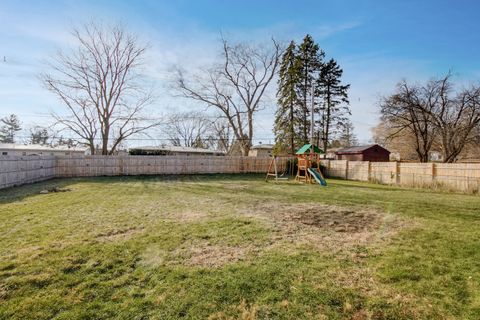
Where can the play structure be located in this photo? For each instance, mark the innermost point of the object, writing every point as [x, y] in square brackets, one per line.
[308, 165]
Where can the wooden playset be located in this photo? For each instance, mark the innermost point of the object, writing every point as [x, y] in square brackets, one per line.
[308, 166]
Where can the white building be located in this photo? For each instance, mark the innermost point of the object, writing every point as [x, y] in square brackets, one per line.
[261, 150]
[13, 149]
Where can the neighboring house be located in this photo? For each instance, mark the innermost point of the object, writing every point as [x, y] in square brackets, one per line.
[166, 150]
[374, 153]
[13, 149]
[435, 156]
[261, 150]
[331, 153]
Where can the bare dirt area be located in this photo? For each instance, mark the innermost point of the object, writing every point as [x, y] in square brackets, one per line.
[325, 226]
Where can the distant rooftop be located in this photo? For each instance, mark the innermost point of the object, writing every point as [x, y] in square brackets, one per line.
[38, 147]
[263, 146]
[357, 149]
[178, 149]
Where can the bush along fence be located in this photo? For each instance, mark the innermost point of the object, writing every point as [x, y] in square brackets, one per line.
[464, 177]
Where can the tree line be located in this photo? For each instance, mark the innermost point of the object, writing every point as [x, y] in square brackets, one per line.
[101, 86]
[106, 99]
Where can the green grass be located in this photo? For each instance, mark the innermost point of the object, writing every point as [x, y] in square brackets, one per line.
[188, 247]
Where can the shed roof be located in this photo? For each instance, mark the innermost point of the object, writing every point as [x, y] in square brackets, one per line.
[358, 149]
[307, 147]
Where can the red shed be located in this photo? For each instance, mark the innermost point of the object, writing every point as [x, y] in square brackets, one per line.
[373, 152]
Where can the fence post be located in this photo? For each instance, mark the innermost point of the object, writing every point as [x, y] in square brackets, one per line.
[397, 172]
[433, 172]
[369, 170]
[346, 169]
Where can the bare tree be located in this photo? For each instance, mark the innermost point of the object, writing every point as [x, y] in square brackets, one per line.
[221, 137]
[188, 129]
[99, 83]
[407, 112]
[236, 88]
[455, 117]
[403, 144]
[435, 113]
[195, 129]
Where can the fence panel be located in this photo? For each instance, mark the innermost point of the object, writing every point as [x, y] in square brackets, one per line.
[20, 170]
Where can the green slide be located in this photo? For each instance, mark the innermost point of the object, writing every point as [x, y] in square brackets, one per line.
[318, 176]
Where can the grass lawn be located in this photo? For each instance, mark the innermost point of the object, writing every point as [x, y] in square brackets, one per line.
[235, 247]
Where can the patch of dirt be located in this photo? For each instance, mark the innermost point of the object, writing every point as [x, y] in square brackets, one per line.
[333, 218]
[324, 225]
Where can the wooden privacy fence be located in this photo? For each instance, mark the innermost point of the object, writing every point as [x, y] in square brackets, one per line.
[87, 166]
[15, 171]
[20, 170]
[463, 177]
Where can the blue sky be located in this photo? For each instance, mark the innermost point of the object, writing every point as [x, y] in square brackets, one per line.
[377, 43]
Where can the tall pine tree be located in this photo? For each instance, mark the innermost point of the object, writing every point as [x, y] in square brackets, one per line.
[334, 106]
[287, 137]
[302, 72]
[311, 61]
[11, 125]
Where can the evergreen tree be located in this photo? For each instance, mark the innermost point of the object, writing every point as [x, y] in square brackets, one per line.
[286, 122]
[69, 142]
[11, 125]
[39, 136]
[334, 107]
[347, 137]
[311, 60]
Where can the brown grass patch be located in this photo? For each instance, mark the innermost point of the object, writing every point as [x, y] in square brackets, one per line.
[118, 234]
[200, 254]
[335, 228]
[325, 226]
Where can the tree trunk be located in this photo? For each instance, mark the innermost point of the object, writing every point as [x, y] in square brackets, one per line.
[292, 129]
[327, 123]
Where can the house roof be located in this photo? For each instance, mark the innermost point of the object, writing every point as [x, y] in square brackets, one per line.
[169, 148]
[358, 149]
[263, 146]
[38, 147]
[307, 147]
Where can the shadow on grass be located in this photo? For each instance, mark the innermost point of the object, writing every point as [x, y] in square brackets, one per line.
[18, 193]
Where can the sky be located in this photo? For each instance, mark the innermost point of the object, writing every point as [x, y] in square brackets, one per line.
[377, 43]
